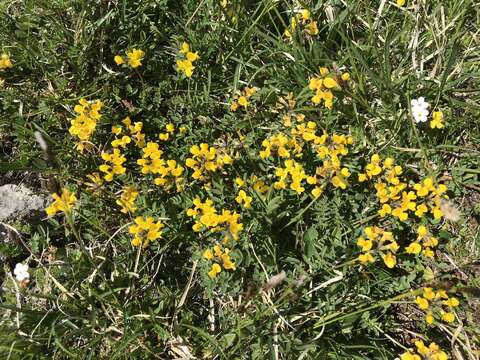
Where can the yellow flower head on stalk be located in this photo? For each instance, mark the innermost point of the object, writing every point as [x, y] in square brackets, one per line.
[185, 62]
[207, 218]
[5, 62]
[135, 57]
[113, 164]
[127, 199]
[437, 120]
[242, 98]
[220, 258]
[244, 199]
[145, 230]
[323, 84]
[431, 352]
[437, 305]
[62, 203]
[118, 60]
[302, 20]
[85, 122]
[377, 241]
[206, 159]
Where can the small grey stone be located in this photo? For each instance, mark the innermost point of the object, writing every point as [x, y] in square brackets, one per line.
[17, 201]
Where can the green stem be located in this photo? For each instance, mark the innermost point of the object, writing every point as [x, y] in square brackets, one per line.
[71, 224]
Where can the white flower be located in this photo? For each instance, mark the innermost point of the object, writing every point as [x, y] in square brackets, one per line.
[21, 272]
[420, 109]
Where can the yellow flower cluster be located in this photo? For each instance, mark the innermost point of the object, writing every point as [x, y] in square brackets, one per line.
[85, 122]
[432, 197]
[323, 84]
[62, 203]
[438, 305]
[395, 196]
[127, 199]
[205, 159]
[169, 175]
[304, 19]
[186, 65]
[291, 117]
[207, 218]
[257, 184]
[243, 199]
[330, 149]
[219, 258]
[135, 131]
[113, 164]
[151, 160]
[293, 174]
[423, 352]
[424, 243]
[243, 98]
[170, 128]
[168, 171]
[281, 145]
[378, 242]
[145, 230]
[120, 141]
[133, 59]
[5, 62]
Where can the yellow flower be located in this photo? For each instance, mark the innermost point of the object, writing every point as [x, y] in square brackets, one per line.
[317, 191]
[170, 127]
[127, 199]
[95, 181]
[366, 258]
[216, 269]
[135, 57]
[145, 230]
[5, 61]
[448, 317]
[192, 56]
[345, 76]
[163, 136]
[364, 244]
[118, 60]
[390, 260]
[429, 319]
[240, 182]
[249, 91]
[329, 83]
[185, 48]
[84, 124]
[244, 199]
[386, 209]
[208, 254]
[422, 303]
[414, 248]
[410, 356]
[242, 101]
[451, 302]
[63, 203]
[400, 3]
[113, 164]
[312, 28]
[186, 67]
[428, 293]
[437, 120]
